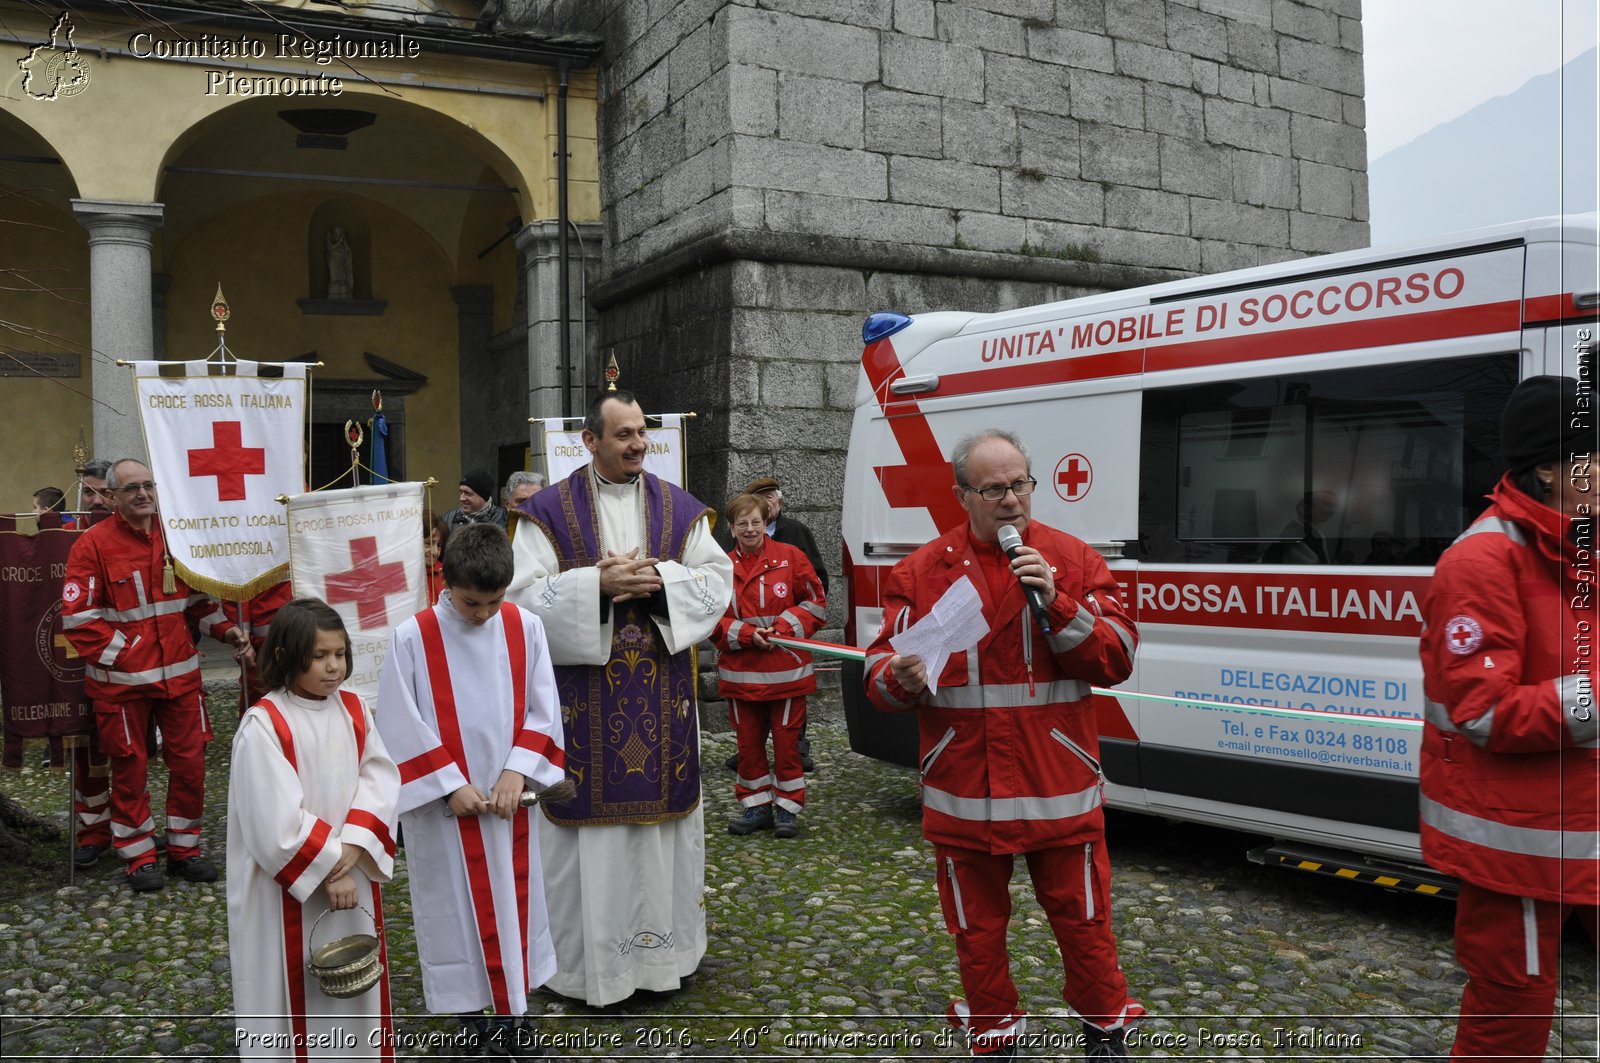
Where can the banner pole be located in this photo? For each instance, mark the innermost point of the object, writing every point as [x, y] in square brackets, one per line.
[72, 812]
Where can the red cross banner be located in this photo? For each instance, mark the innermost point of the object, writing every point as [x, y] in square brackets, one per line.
[41, 677]
[360, 550]
[222, 449]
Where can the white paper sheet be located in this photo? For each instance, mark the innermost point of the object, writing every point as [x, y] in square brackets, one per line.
[955, 624]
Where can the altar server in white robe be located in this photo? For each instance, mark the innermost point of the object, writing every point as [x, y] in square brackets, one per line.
[623, 568]
[467, 704]
[311, 814]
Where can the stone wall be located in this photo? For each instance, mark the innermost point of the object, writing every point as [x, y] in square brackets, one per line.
[773, 170]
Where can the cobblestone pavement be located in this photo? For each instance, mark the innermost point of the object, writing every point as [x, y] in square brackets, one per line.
[825, 946]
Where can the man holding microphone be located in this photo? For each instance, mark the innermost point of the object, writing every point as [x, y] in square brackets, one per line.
[1009, 750]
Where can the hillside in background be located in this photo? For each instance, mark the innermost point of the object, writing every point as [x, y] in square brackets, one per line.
[1523, 155]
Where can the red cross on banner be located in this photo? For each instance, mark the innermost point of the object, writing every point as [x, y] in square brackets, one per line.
[367, 583]
[228, 459]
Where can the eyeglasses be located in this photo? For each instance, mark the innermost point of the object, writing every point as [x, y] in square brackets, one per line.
[1021, 487]
[148, 487]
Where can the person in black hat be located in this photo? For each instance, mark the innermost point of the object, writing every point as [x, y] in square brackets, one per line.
[476, 495]
[1510, 780]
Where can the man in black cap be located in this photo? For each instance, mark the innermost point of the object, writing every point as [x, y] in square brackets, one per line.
[476, 495]
[1510, 786]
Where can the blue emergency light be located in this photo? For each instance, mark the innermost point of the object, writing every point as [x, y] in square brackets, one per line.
[883, 323]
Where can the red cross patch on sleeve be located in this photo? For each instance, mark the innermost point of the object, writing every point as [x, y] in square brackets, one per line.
[1462, 635]
[71, 593]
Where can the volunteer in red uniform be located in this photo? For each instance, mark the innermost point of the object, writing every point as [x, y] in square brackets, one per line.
[1510, 790]
[1009, 747]
[140, 664]
[775, 591]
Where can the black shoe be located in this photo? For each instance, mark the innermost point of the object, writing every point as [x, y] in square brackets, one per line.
[732, 763]
[757, 818]
[192, 869]
[86, 856]
[785, 824]
[807, 765]
[145, 878]
[1104, 1044]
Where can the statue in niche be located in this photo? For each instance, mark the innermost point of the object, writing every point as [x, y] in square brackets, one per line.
[341, 270]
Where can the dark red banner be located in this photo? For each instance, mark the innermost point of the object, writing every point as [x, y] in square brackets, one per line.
[41, 677]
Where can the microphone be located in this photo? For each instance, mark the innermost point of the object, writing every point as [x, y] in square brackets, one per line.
[1011, 543]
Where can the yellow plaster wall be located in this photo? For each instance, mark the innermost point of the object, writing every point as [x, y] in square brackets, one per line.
[417, 329]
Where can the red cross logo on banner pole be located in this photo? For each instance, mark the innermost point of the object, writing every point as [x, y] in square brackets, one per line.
[367, 583]
[229, 460]
[1074, 475]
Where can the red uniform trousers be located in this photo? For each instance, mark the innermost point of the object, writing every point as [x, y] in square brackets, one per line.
[783, 781]
[1510, 948]
[124, 728]
[1073, 885]
[91, 792]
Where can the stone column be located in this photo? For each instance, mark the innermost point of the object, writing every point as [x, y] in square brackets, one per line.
[539, 250]
[121, 316]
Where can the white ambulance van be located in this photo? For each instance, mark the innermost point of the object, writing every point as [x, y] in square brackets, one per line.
[1271, 461]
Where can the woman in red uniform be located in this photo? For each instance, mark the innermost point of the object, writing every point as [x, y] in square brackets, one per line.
[1510, 790]
[775, 592]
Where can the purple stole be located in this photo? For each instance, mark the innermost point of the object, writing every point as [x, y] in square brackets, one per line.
[632, 728]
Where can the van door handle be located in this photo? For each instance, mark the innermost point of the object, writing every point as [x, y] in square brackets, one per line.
[915, 385]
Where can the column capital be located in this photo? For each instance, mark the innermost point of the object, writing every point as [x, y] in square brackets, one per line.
[119, 221]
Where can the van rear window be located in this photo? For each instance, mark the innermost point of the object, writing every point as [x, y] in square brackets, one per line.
[1380, 465]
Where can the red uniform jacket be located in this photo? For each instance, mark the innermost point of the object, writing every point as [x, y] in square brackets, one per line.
[1010, 753]
[1510, 788]
[777, 588]
[135, 641]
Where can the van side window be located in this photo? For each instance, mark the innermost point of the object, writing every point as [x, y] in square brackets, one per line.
[1378, 465]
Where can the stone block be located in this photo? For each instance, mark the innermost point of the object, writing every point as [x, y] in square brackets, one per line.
[646, 98]
[1265, 180]
[744, 381]
[1350, 35]
[1205, 77]
[1175, 111]
[1200, 34]
[785, 42]
[944, 183]
[825, 215]
[1315, 234]
[1055, 198]
[1086, 15]
[1220, 256]
[1244, 125]
[1161, 250]
[1217, 219]
[1240, 85]
[1326, 190]
[990, 232]
[1305, 99]
[636, 213]
[1071, 47]
[695, 222]
[1320, 64]
[1137, 20]
[793, 427]
[1253, 48]
[706, 116]
[797, 335]
[1355, 111]
[1012, 82]
[992, 32]
[1330, 142]
[952, 71]
[914, 17]
[841, 379]
[795, 286]
[1047, 143]
[903, 123]
[1120, 156]
[1251, 12]
[1147, 210]
[1359, 203]
[877, 14]
[820, 110]
[752, 101]
[1107, 98]
[1196, 168]
[695, 179]
[786, 383]
[690, 62]
[1294, 19]
[1149, 63]
[798, 167]
[1027, 10]
[979, 134]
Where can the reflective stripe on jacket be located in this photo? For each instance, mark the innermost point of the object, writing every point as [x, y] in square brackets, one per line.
[774, 588]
